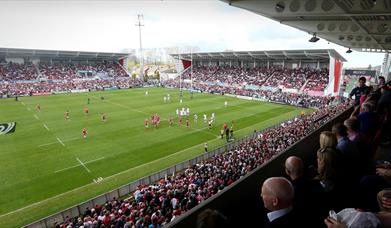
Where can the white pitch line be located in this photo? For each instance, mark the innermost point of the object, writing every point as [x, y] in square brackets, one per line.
[23, 103]
[59, 140]
[28, 109]
[46, 127]
[36, 117]
[47, 144]
[71, 167]
[83, 165]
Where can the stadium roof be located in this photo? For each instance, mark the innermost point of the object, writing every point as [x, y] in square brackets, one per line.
[363, 25]
[310, 55]
[14, 52]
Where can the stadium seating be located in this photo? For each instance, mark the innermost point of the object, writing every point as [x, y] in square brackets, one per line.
[272, 77]
[21, 79]
[15, 71]
[317, 81]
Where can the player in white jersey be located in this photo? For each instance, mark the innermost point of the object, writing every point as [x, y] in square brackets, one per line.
[213, 117]
[195, 118]
[168, 97]
[146, 93]
[205, 118]
[177, 112]
[165, 99]
[226, 103]
[188, 111]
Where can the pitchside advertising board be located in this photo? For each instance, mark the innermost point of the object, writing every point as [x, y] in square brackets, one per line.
[7, 128]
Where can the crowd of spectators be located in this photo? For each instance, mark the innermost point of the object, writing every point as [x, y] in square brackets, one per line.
[317, 81]
[229, 75]
[22, 79]
[29, 88]
[70, 70]
[288, 78]
[258, 76]
[17, 71]
[298, 99]
[352, 173]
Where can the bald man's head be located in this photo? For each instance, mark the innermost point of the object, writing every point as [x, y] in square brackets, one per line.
[294, 167]
[277, 193]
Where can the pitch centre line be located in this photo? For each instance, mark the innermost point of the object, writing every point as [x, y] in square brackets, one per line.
[59, 140]
[71, 167]
[83, 165]
[45, 126]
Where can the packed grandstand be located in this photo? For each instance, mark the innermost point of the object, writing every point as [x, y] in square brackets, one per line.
[158, 204]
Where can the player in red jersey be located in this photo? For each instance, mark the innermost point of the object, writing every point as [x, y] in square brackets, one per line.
[146, 123]
[86, 111]
[66, 115]
[104, 117]
[152, 119]
[84, 132]
[157, 121]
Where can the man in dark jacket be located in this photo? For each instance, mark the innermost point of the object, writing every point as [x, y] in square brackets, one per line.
[277, 195]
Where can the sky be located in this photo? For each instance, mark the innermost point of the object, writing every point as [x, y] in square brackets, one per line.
[110, 26]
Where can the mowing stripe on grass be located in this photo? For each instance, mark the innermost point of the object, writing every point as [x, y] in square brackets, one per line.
[83, 165]
[71, 167]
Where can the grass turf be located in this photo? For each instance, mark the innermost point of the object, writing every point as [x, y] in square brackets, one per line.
[40, 176]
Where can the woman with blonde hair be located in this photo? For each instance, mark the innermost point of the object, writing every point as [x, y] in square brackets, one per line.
[327, 139]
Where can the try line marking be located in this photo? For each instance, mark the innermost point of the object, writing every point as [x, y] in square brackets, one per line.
[36, 117]
[81, 164]
[46, 127]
